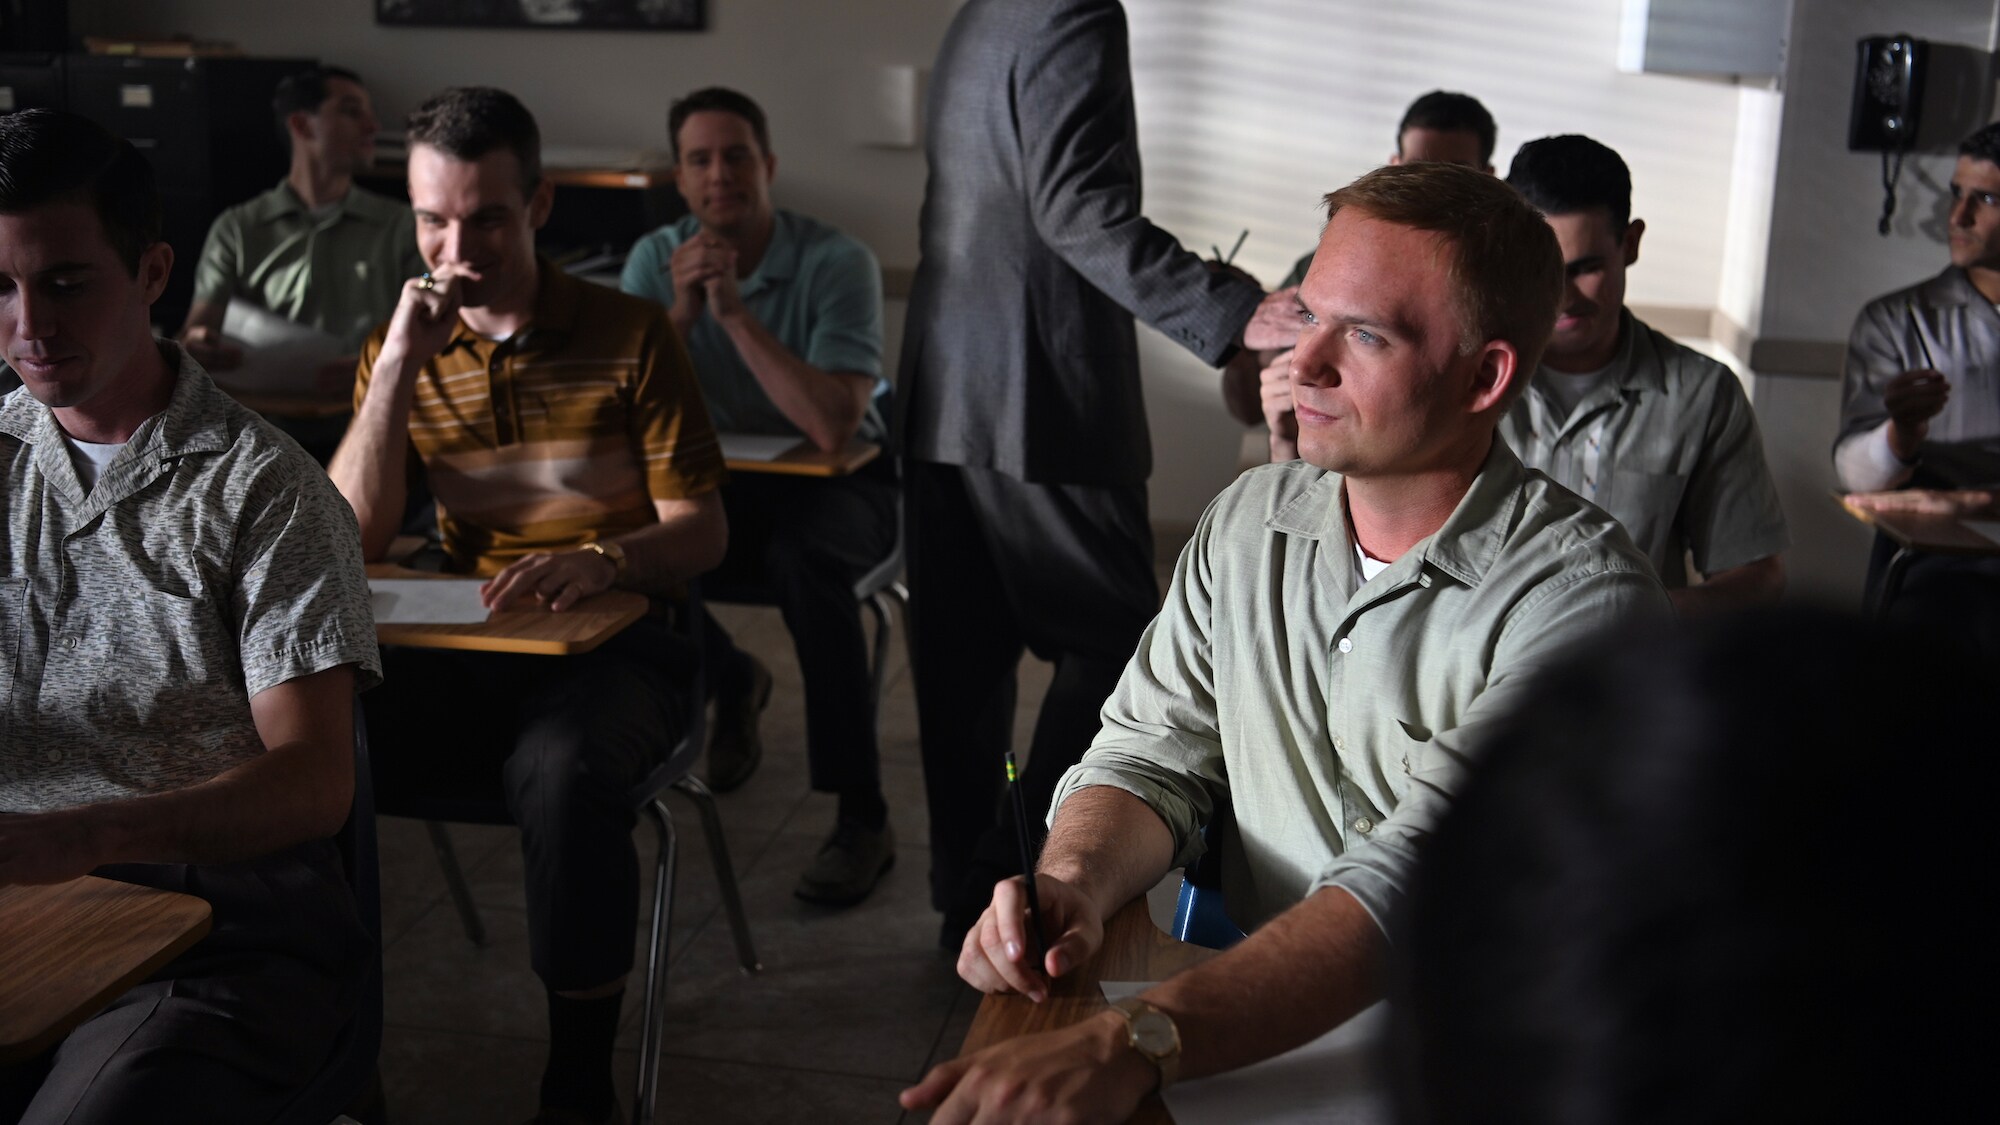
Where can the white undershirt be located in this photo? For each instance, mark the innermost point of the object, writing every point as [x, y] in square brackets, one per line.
[1367, 567]
[1568, 389]
[90, 459]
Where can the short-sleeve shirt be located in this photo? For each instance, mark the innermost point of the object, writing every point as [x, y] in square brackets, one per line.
[1336, 716]
[341, 272]
[817, 290]
[1944, 324]
[212, 560]
[1667, 443]
[562, 434]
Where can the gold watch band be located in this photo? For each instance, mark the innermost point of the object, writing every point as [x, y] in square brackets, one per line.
[1152, 1033]
[610, 551]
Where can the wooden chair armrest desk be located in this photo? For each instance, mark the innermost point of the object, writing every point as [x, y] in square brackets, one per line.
[531, 629]
[68, 949]
[805, 461]
[1134, 949]
[1920, 533]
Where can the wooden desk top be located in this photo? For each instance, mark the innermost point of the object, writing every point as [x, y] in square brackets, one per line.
[1134, 949]
[531, 630]
[805, 461]
[1932, 532]
[68, 949]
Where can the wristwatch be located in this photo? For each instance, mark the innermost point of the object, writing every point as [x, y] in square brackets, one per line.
[610, 551]
[1152, 1033]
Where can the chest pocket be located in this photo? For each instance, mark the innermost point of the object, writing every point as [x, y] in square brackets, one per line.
[160, 653]
[13, 622]
[1646, 503]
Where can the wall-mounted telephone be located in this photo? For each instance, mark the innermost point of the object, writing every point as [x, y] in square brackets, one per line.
[1888, 106]
[1888, 94]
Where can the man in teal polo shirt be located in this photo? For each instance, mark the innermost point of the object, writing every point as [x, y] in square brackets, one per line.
[316, 249]
[783, 318]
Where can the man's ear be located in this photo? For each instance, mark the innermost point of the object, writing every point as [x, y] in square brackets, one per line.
[300, 124]
[1493, 379]
[156, 264]
[1634, 231]
[540, 202]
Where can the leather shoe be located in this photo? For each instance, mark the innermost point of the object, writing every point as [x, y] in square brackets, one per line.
[734, 746]
[848, 865]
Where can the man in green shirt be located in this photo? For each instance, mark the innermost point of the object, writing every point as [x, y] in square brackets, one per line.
[1442, 125]
[1341, 633]
[316, 249]
[1654, 432]
[783, 319]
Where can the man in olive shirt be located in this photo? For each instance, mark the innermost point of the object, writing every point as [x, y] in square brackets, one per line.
[1339, 634]
[1655, 433]
[316, 249]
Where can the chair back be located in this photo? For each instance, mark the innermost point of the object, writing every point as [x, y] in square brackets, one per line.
[1200, 917]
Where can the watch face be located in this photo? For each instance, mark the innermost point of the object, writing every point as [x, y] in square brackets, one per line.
[1153, 1033]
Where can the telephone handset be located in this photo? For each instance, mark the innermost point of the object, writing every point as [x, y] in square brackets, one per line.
[1888, 106]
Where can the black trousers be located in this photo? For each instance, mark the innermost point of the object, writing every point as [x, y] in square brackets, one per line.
[1951, 597]
[563, 741]
[233, 1029]
[801, 544]
[997, 566]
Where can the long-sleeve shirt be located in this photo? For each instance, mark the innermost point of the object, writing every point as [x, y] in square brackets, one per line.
[1336, 716]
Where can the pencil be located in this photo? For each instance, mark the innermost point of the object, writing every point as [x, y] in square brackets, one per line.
[1235, 248]
[1027, 860]
[1917, 329]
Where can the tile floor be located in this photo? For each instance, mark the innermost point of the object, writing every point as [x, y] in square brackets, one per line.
[852, 1005]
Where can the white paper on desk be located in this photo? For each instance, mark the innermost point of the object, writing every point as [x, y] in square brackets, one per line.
[1988, 528]
[755, 447]
[1329, 1080]
[426, 601]
[279, 356]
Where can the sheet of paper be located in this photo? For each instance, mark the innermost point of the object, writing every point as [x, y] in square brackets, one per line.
[279, 356]
[755, 447]
[1988, 528]
[426, 601]
[1329, 1080]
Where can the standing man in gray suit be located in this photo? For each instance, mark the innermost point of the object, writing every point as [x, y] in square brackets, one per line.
[1020, 413]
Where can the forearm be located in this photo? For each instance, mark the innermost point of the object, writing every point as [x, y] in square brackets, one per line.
[826, 406]
[1297, 977]
[1109, 845]
[1756, 583]
[371, 466]
[206, 315]
[661, 557]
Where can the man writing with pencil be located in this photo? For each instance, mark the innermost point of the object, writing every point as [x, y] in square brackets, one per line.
[1338, 633]
[1923, 396]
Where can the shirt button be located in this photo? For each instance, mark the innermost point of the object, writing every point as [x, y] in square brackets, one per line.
[53, 756]
[1346, 644]
[1364, 826]
[69, 643]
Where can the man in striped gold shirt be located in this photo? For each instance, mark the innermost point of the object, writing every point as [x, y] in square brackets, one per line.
[569, 451]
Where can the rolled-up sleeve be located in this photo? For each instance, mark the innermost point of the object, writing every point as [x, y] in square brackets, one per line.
[1160, 739]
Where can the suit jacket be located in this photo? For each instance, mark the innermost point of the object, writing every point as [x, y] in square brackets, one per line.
[1019, 352]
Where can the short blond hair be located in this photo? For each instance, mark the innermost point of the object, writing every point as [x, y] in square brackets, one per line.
[1505, 266]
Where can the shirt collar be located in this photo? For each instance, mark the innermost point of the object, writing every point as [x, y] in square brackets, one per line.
[558, 296]
[1950, 289]
[191, 423]
[1464, 546]
[283, 200]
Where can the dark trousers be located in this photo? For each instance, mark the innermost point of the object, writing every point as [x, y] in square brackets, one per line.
[1954, 598]
[998, 565]
[562, 741]
[801, 544]
[233, 1029]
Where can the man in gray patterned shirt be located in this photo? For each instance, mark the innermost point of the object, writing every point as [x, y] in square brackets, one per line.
[183, 625]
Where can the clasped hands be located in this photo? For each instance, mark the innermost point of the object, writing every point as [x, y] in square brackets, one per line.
[1086, 1072]
[703, 274]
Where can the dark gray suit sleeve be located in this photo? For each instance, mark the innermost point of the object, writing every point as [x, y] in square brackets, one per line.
[1073, 96]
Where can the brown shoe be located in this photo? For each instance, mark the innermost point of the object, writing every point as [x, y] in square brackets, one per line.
[848, 865]
[734, 747]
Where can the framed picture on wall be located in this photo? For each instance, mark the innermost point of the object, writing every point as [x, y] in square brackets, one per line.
[592, 15]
